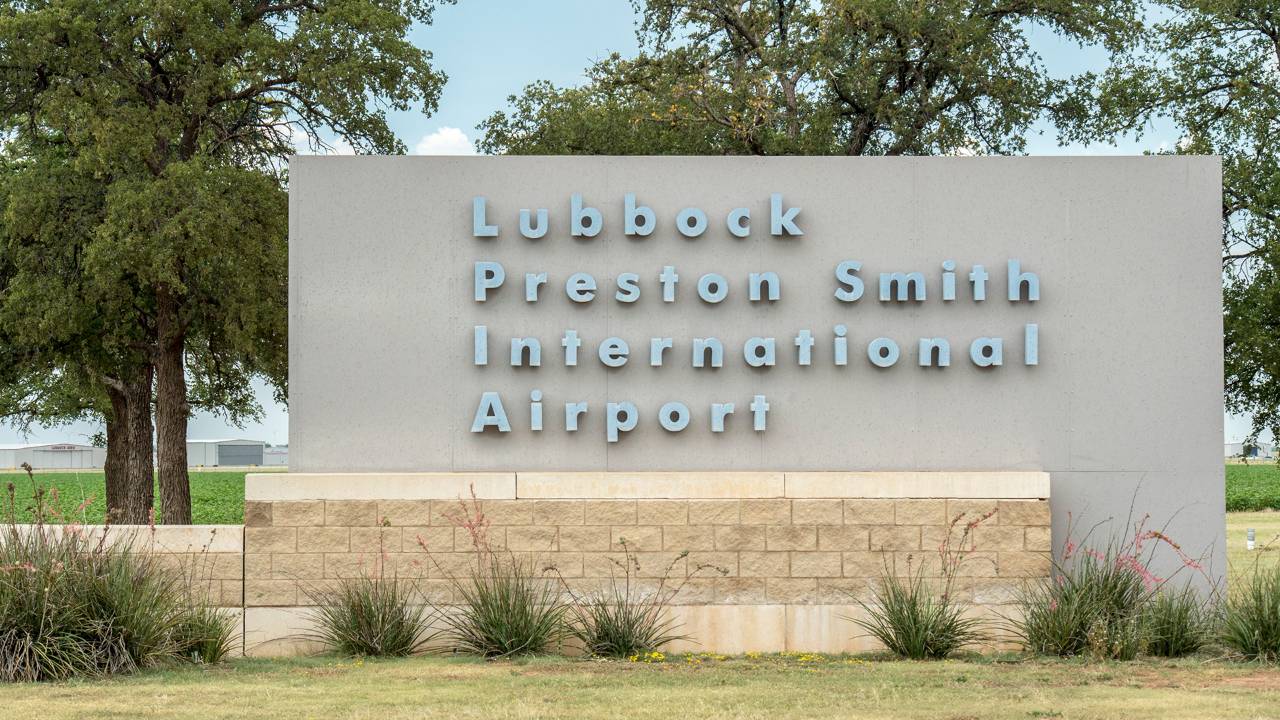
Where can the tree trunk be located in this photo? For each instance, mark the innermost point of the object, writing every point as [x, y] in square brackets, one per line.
[171, 413]
[139, 493]
[116, 468]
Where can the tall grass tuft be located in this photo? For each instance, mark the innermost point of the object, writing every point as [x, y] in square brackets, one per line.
[913, 618]
[371, 617]
[204, 635]
[1177, 623]
[624, 620]
[1251, 620]
[505, 606]
[74, 605]
[1096, 601]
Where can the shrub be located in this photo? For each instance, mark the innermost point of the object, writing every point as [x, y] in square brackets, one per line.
[1176, 623]
[913, 618]
[622, 621]
[75, 605]
[1095, 600]
[1251, 621]
[204, 634]
[371, 617]
[504, 606]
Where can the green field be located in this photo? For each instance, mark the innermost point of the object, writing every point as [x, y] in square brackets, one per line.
[769, 686]
[1255, 486]
[217, 498]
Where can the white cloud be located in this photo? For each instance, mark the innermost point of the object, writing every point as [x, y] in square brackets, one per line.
[445, 141]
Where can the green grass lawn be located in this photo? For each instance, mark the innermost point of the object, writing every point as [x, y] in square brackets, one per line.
[776, 687]
[217, 498]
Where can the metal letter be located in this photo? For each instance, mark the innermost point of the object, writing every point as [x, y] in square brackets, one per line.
[613, 352]
[759, 408]
[987, 352]
[1017, 279]
[583, 222]
[780, 222]
[490, 414]
[751, 351]
[518, 346]
[883, 352]
[619, 417]
[580, 287]
[628, 287]
[488, 275]
[705, 284]
[531, 283]
[691, 222]
[928, 345]
[756, 283]
[529, 231]
[718, 413]
[674, 416]
[478, 226]
[481, 345]
[739, 222]
[630, 213]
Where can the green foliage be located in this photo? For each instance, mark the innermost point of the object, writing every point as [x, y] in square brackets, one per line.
[920, 618]
[143, 209]
[217, 497]
[368, 616]
[505, 607]
[204, 635]
[1091, 605]
[838, 77]
[914, 620]
[73, 605]
[622, 621]
[1176, 623]
[1251, 622]
[1253, 487]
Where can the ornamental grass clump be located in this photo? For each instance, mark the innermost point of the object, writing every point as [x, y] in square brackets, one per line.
[1177, 623]
[371, 616]
[627, 619]
[1251, 618]
[371, 613]
[1101, 603]
[505, 606]
[917, 617]
[76, 604]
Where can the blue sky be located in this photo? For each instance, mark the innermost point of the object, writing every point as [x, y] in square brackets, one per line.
[493, 48]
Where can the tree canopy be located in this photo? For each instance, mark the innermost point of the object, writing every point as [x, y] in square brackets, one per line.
[145, 212]
[837, 77]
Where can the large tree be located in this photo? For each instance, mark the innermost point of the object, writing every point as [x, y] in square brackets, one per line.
[1212, 67]
[835, 77]
[183, 112]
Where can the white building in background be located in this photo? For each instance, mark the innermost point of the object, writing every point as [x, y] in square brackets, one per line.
[1262, 450]
[275, 456]
[225, 452]
[53, 456]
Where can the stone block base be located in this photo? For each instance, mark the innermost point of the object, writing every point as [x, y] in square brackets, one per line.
[783, 556]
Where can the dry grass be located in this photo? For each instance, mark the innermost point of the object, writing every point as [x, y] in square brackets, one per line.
[796, 686]
[1266, 523]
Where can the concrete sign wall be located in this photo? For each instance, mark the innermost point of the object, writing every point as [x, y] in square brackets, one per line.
[835, 287]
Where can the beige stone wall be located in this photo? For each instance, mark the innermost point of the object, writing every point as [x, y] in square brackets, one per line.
[773, 551]
[793, 567]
